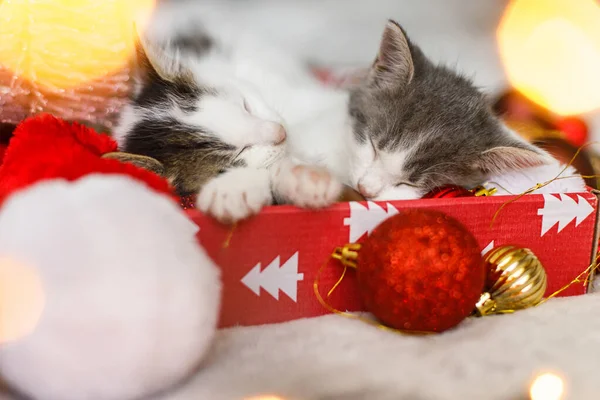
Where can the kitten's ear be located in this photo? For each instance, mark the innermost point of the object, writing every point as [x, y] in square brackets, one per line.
[155, 59]
[501, 159]
[147, 163]
[394, 65]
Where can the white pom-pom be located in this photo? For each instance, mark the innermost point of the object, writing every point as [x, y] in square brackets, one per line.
[116, 298]
[517, 182]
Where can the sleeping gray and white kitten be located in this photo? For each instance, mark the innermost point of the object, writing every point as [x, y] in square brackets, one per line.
[412, 126]
[211, 107]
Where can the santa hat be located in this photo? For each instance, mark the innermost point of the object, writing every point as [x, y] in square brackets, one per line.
[105, 291]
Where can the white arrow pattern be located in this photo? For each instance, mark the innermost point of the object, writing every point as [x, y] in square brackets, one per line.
[563, 211]
[364, 219]
[274, 278]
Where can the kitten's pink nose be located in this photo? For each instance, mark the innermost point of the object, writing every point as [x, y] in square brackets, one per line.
[280, 135]
[365, 191]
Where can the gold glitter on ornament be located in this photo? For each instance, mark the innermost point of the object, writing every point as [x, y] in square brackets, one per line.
[516, 280]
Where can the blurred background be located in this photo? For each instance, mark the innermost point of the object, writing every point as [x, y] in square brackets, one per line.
[538, 59]
[551, 48]
[461, 33]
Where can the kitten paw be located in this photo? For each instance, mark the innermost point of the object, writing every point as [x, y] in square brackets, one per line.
[235, 195]
[306, 186]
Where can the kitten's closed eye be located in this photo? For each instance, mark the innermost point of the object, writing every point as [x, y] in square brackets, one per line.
[405, 183]
[247, 106]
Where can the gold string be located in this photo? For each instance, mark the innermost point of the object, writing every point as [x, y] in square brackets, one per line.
[541, 185]
[593, 270]
[338, 282]
[229, 236]
[347, 255]
[576, 176]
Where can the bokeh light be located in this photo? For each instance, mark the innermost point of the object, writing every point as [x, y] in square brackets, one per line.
[21, 299]
[65, 43]
[551, 52]
[547, 386]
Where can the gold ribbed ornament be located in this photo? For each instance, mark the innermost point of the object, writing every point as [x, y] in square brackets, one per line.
[516, 280]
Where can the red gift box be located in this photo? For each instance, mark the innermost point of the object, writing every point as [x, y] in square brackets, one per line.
[270, 262]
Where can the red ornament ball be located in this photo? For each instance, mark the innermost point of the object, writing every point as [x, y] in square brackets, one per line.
[574, 129]
[420, 270]
[449, 191]
[188, 202]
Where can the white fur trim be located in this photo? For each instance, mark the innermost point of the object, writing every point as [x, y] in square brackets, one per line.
[131, 299]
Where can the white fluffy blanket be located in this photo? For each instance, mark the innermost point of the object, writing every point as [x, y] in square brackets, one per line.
[336, 358]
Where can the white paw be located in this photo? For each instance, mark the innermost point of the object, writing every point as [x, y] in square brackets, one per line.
[306, 186]
[236, 194]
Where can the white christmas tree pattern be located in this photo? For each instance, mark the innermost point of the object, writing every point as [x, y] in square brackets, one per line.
[562, 211]
[275, 278]
[364, 219]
